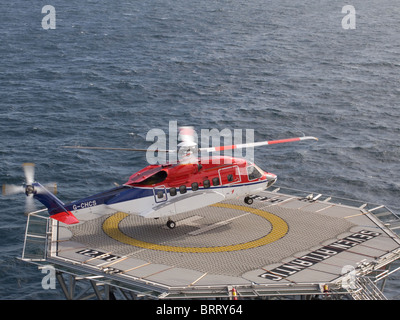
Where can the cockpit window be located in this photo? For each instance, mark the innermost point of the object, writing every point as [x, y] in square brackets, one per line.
[253, 172]
[155, 178]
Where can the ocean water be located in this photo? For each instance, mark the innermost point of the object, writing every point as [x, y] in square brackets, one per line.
[111, 71]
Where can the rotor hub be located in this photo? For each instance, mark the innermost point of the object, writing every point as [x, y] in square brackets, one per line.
[29, 190]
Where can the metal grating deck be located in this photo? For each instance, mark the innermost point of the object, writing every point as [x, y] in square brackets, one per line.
[281, 242]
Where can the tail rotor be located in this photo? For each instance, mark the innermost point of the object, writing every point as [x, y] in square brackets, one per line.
[28, 187]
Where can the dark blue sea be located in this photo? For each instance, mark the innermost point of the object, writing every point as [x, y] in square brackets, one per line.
[112, 70]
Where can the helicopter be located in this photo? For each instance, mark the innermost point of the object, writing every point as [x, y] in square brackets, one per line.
[162, 190]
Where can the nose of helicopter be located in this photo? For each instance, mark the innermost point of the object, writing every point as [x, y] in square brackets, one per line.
[271, 178]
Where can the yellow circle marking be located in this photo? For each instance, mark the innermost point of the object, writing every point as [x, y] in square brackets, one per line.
[279, 229]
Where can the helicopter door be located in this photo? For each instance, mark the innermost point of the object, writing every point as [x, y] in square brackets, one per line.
[160, 194]
[229, 175]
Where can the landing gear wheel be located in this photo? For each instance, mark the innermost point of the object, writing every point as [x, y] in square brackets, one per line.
[248, 200]
[171, 224]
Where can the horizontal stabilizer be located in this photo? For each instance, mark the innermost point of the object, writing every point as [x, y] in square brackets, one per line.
[66, 217]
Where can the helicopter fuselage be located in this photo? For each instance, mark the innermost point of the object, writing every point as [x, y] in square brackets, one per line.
[165, 190]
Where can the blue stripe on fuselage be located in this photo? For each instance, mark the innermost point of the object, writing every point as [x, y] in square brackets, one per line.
[115, 195]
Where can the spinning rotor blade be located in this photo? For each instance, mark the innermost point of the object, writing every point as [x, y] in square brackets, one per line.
[255, 144]
[10, 189]
[30, 204]
[188, 144]
[29, 170]
[51, 186]
[116, 149]
[31, 190]
[187, 135]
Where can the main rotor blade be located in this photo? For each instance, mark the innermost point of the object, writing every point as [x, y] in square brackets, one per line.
[29, 170]
[255, 144]
[116, 149]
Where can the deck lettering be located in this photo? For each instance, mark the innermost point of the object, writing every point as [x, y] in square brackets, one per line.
[321, 254]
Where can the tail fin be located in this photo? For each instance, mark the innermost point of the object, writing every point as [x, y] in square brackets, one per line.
[55, 206]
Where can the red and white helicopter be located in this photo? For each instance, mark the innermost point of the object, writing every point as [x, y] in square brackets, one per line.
[163, 190]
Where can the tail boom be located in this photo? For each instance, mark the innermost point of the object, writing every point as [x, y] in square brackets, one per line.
[55, 206]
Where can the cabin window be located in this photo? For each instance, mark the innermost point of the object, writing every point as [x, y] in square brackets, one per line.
[195, 186]
[172, 191]
[206, 184]
[182, 189]
[215, 181]
[253, 173]
[160, 194]
[230, 177]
